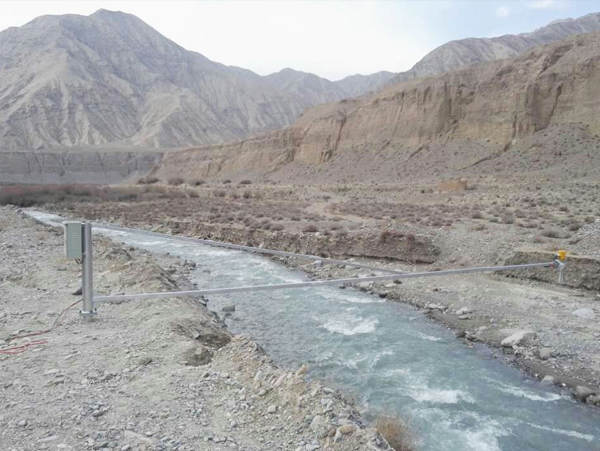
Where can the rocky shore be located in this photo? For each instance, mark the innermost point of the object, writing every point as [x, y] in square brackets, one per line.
[144, 375]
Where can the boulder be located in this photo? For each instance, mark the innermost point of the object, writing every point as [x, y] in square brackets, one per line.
[582, 393]
[522, 337]
[584, 313]
[228, 308]
[548, 380]
[545, 353]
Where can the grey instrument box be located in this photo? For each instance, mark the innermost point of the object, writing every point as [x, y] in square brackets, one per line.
[73, 239]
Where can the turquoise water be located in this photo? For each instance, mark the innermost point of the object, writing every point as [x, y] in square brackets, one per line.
[388, 356]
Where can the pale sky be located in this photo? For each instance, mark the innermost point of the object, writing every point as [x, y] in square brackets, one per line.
[332, 39]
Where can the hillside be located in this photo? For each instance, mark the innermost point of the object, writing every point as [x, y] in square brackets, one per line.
[110, 78]
[466, 52]
[538, 112]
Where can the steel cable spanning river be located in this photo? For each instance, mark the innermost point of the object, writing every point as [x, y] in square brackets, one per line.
[387, 355]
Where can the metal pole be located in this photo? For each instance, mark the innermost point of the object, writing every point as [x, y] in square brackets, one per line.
[353, 280]
[87, 272]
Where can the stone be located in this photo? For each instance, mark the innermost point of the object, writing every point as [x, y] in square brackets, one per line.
[272, 409]
[347, 429]
[548, 380]
[593, 400]
[582, 393]
[545, 353]
[302, 371]
[22, 423]
[316, 422]
[228, 308]
[311, 447]
[435, 307]
[460, 334]
[338, 436]
[523, 337]
[144, 361]
[584, 313]
[464, 311]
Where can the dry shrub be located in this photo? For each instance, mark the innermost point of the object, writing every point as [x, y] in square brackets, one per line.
[310, 228]
[147, 180]
[175, 181]
[477, 215]
[197, 182]
[245, 182]
[226, 181]
[247, 194]
[397, 433]
[574, 227]
[220, 193]
[478, 227]
[551, 233]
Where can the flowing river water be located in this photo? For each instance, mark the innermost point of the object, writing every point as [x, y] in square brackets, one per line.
[387, 355]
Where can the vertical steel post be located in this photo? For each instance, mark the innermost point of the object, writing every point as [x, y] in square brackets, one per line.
[87, 270]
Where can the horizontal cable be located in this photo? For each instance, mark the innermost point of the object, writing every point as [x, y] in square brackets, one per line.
[317, 283]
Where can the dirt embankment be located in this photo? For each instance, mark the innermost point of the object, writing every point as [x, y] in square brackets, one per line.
[143, 375]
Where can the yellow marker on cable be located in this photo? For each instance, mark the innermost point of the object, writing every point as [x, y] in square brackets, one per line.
[562, 255]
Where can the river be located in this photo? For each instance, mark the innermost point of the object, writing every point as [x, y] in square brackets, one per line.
[386, 355]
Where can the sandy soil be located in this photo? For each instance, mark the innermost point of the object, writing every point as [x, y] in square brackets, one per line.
[147, 375]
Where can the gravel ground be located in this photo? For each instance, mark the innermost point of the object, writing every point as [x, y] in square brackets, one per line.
[144, 375]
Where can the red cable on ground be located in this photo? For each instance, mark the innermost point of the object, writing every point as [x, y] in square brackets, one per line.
[20, 349]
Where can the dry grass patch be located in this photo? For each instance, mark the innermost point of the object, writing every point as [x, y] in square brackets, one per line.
[397, 432]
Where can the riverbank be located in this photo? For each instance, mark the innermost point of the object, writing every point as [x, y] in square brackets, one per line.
[143, 375]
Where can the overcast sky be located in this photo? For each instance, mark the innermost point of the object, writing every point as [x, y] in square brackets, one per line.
[332, 39]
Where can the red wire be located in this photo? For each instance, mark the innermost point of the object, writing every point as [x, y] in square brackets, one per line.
[23, 348]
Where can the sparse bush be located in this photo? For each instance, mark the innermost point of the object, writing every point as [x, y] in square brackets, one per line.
[477, 215]
[220, 193]
[508, 219]
[245, 182]
[310, 228]
[574, 227]
[175, 181]
[397, 433]
[277, 227]
[478, 227]
[247, 194]
[147, 180]
[197, 182]
[551, 233]
[226, 181]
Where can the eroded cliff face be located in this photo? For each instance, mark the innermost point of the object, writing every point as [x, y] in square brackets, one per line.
[101, 167]
[458, 119]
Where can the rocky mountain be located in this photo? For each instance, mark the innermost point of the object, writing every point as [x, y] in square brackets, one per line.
[358, 85]
[538, 112]
[308, 88]
[110, 78]
[466, 52]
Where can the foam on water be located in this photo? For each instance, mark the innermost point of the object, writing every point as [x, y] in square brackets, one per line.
[486, 438]
[438, 396]
[524, 393]
[351, 325]
[574, 434]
